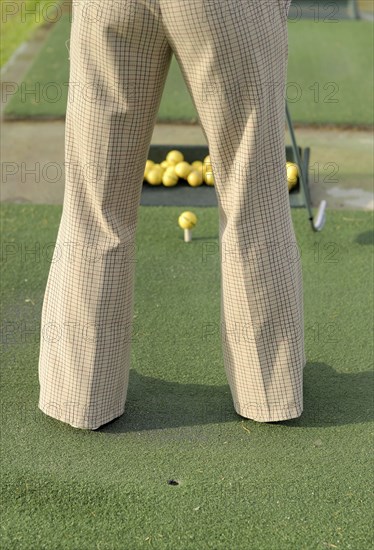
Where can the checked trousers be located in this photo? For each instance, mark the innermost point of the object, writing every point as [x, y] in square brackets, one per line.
[233, 56]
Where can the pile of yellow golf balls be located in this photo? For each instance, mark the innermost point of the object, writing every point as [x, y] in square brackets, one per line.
[175, 167]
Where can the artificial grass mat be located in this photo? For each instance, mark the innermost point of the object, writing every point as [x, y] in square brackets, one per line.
[302, 483]
[19, 20]
[327, 82]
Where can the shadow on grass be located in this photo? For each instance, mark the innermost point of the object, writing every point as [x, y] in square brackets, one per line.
[331, 398]
[365, 238]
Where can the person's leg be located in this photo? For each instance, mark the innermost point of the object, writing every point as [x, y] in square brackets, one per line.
[119, 59]
[233, 56]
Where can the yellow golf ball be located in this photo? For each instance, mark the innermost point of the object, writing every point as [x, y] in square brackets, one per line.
[195, 178]
[187, 220]
[209, 178]
[148, 165]
[175, 156]
[154, 176]
[197, 165]
[292, 172]
[169, 179]
[165, 164]
[207, 168]
[207, 161]
[182, 169]
[171, 170]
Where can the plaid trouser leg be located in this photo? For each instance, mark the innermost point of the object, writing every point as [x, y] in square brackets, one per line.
[234, 59]
[119, 59]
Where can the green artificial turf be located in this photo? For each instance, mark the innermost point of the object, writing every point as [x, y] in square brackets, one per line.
[328, 81]
[329, 76]
[304, 483]
[20, 18]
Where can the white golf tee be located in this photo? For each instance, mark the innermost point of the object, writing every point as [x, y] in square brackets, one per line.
[187, 235]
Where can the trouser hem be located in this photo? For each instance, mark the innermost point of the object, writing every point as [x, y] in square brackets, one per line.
[286, 413]
[88, 422]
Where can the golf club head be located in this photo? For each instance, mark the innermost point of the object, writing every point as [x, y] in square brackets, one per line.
[320, 219]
